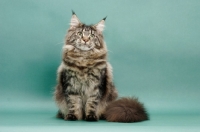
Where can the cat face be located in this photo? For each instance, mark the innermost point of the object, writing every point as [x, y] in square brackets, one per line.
[84, 37]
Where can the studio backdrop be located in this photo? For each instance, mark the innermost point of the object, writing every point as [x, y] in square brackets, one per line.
[153, 46]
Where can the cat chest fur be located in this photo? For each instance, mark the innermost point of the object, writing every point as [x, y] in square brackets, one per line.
[85, 83]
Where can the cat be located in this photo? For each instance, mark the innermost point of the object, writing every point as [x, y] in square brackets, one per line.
[85, 88]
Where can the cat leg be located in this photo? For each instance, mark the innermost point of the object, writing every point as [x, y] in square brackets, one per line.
[101, 109]
[91, 108]
[74, 104]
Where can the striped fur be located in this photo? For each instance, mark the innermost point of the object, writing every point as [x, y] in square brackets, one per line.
[85, 86]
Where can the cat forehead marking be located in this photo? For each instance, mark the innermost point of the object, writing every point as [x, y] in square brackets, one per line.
[87, 30]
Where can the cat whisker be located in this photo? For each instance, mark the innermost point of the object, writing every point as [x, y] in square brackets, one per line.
[59, 43]
[110, 51]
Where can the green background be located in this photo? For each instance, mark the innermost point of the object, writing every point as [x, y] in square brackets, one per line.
[153, 48]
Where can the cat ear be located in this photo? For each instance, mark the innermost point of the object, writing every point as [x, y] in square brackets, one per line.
[74, 20]
[100, 26]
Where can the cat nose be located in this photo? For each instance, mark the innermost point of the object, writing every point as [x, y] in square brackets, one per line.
[85, 39]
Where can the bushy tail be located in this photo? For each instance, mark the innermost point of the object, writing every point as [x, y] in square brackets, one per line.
[126, 110]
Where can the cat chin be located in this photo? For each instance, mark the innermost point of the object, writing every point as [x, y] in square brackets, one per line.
[84, 48]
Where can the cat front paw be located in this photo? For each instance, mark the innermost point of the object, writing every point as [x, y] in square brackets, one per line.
[71, 117]
[91, 118]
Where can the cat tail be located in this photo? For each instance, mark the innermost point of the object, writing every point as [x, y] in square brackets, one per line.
[126, 110]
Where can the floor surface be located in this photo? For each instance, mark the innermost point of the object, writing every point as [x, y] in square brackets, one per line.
[41, 121]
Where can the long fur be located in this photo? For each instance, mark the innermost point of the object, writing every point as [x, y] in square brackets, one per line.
[126, 110]
[85, 88]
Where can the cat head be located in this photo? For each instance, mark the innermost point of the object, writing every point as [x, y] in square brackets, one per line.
[85, 37]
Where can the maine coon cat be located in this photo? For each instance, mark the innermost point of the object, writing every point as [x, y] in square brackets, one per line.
[85, 88]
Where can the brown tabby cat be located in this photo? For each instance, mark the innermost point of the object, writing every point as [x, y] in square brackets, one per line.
[85, 88]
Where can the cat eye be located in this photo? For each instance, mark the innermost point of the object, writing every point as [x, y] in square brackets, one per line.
[79, 33]
[92, 35]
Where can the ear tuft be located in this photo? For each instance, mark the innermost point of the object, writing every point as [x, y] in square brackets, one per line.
[73, 13]
[104, 18]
